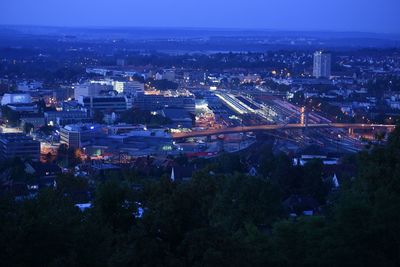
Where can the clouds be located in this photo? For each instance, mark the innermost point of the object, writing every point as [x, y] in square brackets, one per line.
[337, 15]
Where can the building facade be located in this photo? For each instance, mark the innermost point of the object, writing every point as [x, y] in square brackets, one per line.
[19, 145]
[91, 89]
[79, 135]
[105, 103]
[16, 98]
[133, 88]
[158, 102]
[322, 65]
[65, 117]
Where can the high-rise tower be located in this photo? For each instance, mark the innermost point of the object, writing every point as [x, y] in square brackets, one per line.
[322, 64]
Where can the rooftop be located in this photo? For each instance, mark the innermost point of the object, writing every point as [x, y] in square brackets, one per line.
[82, 127]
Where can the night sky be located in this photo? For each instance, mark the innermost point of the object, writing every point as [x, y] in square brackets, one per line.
[380, 16]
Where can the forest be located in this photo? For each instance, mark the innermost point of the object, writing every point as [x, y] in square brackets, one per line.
[221, 217]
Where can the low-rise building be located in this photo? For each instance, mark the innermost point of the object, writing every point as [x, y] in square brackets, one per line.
[179, 117]
[79, 135]
[18, 145]
[153, 102]
[16, 98]
[37, 121]
[65, 117]
[105, 103]
[24, 107]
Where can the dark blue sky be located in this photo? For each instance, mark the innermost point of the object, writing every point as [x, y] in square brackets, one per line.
[335, 15]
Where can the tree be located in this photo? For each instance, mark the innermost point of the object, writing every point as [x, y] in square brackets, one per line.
[49, 157]
[229, 163]
[98, 116]
[114, 205]
[215, 219]
[245, 199]
[69, 184]
[46, 223]
[28, 127]
[136, 116]
[163, 85]
[10, 116]
[68, 156]
[41, 104]
[46, 129]
[313, 183]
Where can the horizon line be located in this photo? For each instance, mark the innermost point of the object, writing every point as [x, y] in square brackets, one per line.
[194, 28]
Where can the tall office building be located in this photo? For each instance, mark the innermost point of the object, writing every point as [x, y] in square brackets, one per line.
[322, 64]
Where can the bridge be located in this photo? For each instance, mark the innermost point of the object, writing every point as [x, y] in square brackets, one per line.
[261, 128]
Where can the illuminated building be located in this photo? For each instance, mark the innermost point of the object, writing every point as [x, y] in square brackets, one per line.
[91, 89]
[133, 88]
[153, 102]
[118, 86]
[79, 135]
[233, 103]
[17, 98]
[322, 64]
[105, 103]
[65, 117]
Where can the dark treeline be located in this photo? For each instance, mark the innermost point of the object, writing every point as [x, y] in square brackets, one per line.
[136, 116]
[221, 217]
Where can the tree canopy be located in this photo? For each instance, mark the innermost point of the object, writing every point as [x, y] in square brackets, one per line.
[136, 116]
[218, 218]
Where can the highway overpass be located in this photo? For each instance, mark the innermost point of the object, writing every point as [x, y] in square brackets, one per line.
[261, 128]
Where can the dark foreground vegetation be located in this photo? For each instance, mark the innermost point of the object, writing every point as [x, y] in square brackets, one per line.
[218, 218]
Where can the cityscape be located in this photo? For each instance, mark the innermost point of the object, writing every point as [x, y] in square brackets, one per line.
[199, 145]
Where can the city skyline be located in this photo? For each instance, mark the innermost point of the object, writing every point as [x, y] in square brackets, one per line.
[311, 15]
[199, 133]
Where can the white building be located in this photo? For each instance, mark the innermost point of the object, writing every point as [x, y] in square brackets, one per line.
[90, 89]
[17, 98]
[29, 86]
[133, 87]
[322, 64]
[169, 74]
[118, 86]
[158, 76]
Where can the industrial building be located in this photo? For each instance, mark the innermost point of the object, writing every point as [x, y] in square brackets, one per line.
[153, 102]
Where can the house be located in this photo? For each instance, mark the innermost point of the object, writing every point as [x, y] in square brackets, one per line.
[104, 170]
[296, 205]
[182, 173]
[342, 172]
[17, 189]
[252, 171]
[44, 174]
